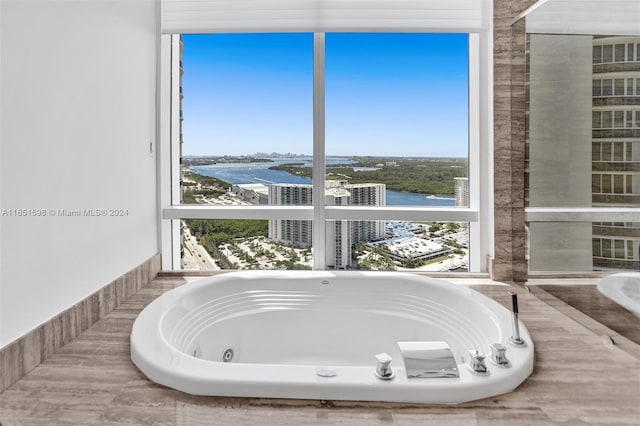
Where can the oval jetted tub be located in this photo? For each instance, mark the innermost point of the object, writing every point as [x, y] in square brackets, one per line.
[319, 335]
[624, 289]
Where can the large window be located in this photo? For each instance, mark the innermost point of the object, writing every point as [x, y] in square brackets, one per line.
[325, 151]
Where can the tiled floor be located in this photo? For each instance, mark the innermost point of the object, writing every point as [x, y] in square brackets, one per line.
[578, 379]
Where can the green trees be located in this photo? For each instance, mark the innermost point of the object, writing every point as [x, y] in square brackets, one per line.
[189, 197]
[212, 233]
[288, 264]
[435, 227]
[225, 230]
[210, 187]
[421, 176]
[453, 226]
[378, 258]
[204, 180]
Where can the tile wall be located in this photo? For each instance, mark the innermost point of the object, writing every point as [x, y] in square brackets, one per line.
[24, 354]
[509, 262]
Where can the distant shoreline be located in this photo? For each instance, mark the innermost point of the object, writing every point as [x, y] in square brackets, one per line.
[393, 197]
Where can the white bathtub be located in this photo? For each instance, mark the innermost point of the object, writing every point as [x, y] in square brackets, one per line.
[290, 330]
[624, 289]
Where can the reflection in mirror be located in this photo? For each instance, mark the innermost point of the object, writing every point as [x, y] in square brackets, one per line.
[582, 131]
[583, 147]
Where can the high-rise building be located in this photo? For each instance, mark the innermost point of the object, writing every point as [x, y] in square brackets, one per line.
[615, 179]
[294, 232]
[462, 191]
[341, 235]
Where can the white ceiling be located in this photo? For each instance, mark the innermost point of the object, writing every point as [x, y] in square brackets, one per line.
[603, 17]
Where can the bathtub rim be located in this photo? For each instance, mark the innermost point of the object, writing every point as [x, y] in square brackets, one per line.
[160, 362]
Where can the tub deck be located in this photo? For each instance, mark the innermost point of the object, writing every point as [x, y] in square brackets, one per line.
[284, 327]
[578, 378]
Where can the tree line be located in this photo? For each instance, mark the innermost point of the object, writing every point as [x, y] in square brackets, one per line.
[417, 176]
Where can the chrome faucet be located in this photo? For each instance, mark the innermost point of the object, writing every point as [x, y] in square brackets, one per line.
[428, 360]
[498, 356]
[476, 362]
[515, 339]
[383, 369]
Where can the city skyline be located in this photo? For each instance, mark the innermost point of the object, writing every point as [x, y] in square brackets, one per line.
[386, 94]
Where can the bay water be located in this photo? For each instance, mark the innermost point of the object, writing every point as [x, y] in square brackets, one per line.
[241, 173]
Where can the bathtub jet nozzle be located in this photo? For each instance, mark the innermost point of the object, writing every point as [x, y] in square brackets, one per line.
[515, 339]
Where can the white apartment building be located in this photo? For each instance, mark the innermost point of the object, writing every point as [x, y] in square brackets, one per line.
[462, 191]
[253, 193]
[615, 178]
[341, 234]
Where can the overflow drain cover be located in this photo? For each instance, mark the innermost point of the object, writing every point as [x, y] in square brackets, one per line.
[326, 373]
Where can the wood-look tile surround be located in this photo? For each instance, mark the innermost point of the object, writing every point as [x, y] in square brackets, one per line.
[588, 300]
[578, 379]
[622, 339]
[510, 237]
[22, 355]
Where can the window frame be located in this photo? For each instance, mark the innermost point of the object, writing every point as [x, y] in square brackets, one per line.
[477, 214]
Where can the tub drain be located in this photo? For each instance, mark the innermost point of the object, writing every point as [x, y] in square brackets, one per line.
[227, 355]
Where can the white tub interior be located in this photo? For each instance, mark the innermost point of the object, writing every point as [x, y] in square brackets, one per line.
[260, 326]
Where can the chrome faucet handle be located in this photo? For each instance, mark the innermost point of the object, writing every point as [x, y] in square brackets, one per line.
[383, 369]
[476, 363]
[498, 356]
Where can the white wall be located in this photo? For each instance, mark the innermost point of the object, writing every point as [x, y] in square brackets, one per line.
[78, 115]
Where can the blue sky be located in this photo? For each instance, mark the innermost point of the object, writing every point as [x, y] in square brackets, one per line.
[386, 94]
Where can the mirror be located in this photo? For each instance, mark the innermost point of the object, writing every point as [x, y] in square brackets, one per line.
[582, 146]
